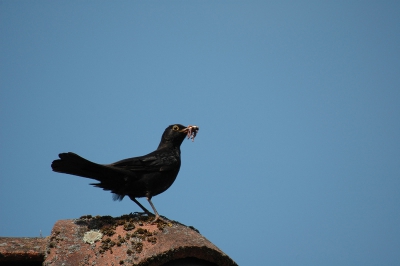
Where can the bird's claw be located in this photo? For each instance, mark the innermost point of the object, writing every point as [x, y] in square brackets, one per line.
[162, 219]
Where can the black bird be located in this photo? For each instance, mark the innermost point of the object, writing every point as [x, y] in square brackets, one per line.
[143, 176]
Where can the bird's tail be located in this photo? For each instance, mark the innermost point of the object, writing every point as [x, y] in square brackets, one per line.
[71, 163]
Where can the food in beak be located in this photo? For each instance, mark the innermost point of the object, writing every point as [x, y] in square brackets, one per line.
[191, 131]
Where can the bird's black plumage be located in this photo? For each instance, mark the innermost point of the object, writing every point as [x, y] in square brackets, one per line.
[143, 176]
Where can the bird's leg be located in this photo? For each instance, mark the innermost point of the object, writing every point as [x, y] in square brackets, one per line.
[154, 209]
[140, 205]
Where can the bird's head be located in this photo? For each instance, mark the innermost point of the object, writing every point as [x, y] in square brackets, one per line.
[175, 134]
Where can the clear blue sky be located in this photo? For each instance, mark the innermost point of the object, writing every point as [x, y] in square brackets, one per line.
[297, 161]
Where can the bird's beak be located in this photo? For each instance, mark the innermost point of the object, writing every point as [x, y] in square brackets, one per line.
[190, 131]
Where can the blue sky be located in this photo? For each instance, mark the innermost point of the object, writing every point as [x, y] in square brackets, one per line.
[297, 161]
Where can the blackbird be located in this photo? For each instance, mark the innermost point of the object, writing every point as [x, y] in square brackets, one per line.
[143, 176]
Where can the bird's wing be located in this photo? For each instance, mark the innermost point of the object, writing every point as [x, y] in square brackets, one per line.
[153, 162]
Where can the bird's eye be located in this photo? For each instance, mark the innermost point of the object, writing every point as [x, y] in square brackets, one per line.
[175, 128]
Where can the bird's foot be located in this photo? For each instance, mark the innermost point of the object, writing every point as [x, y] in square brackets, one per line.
[161, 219]
[157, 217]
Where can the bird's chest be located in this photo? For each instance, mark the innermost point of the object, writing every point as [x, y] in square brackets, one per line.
[171, 157]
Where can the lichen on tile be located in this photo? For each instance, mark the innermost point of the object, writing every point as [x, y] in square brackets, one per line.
[92, 236]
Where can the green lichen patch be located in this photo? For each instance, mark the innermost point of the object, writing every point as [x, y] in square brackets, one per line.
[138, 247]
[152, 240]
[129, 225]
[106, 244]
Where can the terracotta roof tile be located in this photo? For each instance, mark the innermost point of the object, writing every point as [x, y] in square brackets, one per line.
[104, 240]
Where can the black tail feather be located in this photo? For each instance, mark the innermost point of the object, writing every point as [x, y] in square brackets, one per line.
[73, 164]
